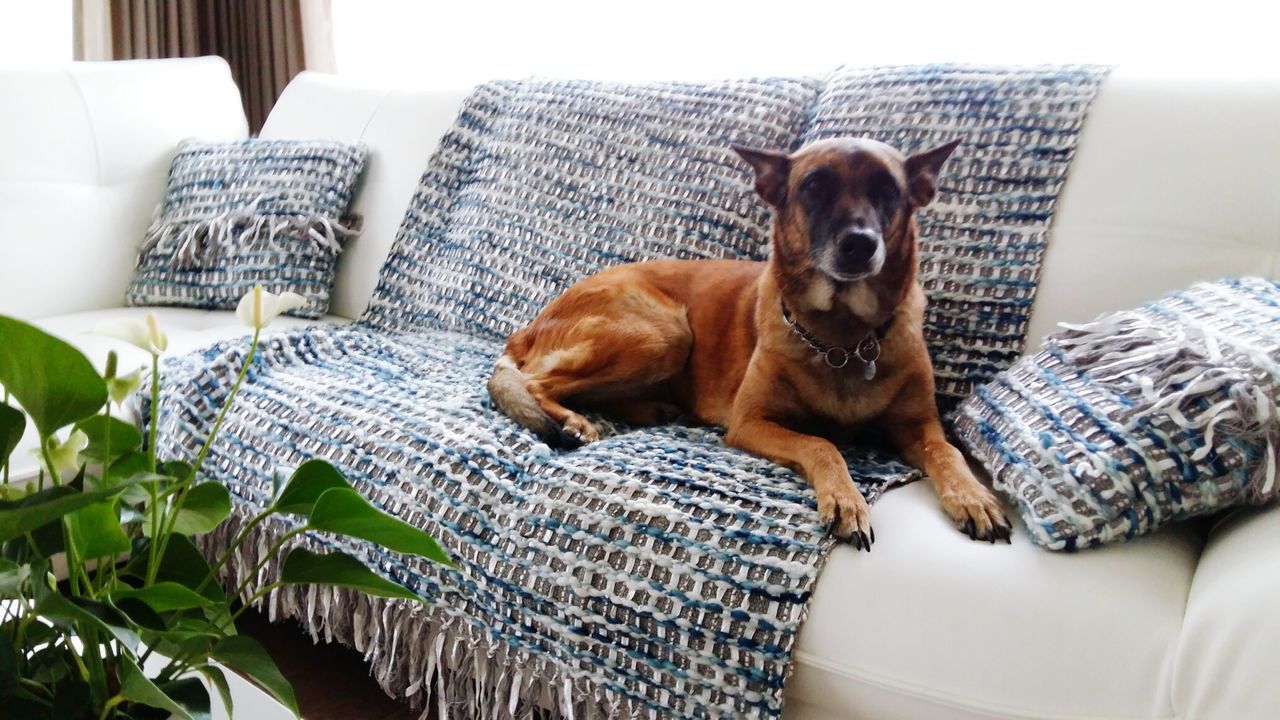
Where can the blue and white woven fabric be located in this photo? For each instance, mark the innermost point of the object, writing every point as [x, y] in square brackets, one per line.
[653, 574]
[982, 238]
[269, 212]
[541, 183]
[1139, 418]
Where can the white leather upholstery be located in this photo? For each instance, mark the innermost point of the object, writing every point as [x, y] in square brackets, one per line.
[1229, 653]
[84, 156]
[1176, 179]
[933, 625]
[401, 129]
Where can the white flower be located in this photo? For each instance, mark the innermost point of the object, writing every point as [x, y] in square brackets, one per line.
[258, 307]
[142, 334]
[120, 388]
[66, 455]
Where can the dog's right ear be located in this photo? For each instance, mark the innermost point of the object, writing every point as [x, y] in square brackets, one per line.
[772, 170]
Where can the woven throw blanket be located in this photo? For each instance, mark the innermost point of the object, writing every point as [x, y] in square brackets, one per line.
[653, 574]
[983, 237]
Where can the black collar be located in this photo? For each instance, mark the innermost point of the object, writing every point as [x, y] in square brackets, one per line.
[867, 350]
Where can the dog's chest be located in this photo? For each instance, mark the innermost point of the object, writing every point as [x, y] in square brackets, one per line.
[843, 395]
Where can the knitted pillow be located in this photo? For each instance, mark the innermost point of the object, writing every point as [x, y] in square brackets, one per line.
[1139, 418]
[254, 211]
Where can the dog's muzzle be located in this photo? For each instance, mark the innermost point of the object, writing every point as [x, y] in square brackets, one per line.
[858, 254]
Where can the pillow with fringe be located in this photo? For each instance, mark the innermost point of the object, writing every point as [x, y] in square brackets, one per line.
[236, 214]
[1139, 418]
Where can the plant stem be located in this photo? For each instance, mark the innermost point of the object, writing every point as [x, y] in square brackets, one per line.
[110, 706]
[153, 563]
[6, 460]
[244, 370]
[271, 553]
[97, 673]
[263, 592]
[236, 543]
[153, 508]
[189, 482]
[155, 409]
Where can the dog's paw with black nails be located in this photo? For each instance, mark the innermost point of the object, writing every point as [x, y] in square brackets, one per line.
[977, 513]
[845, 514]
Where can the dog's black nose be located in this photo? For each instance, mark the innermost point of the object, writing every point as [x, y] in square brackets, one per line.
[858, 246]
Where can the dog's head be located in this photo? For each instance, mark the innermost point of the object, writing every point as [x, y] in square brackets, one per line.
[843, 207]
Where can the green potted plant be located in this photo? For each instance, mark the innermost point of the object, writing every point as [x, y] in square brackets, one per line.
[107, 607]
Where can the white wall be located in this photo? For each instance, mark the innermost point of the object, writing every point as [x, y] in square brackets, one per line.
[454, 43]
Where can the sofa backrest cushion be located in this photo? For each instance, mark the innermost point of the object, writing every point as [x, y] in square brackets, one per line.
[84, 154]
[983, 237]
[542, 182]
[1176, 180]
[400, 129]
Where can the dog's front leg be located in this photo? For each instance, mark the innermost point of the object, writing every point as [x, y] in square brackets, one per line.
[841, 506]
[972, 506]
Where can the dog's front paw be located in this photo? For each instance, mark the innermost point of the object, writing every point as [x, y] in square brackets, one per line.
[977, 513]
[843, 510]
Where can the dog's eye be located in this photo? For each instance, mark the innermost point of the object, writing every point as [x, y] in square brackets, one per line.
[814, 184]
[884, 191]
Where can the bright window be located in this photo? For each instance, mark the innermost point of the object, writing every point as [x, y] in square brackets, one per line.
[35, 34]
[458, 43]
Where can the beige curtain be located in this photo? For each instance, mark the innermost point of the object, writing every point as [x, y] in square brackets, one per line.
[266, 42]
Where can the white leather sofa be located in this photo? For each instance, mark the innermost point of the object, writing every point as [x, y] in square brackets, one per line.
[1177, 179]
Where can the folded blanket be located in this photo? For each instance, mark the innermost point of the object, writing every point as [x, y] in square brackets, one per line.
[655, 573]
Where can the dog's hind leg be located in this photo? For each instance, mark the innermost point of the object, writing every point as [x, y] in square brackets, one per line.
[630, 342]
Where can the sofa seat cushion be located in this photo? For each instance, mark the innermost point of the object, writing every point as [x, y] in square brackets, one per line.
[1226, 663]
[188, 329]
[933, 625]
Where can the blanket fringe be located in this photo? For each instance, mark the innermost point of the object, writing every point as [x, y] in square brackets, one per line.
[200, 242]
[441, 657]
[1202, 379]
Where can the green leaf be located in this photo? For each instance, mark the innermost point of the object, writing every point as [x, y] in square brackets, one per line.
[140, 614]
[125, 467]
[51, 380]
[136, 687]
[344, 511]
[191, 695]
[44, 507]
[303, 567]
[12, 577]
[12, 424]
[71, 698]
[182, 564]
[95, 531]
[204, 508]
[218, 679]
[123, 437]
[307, 484]
[179, 469]
[165, 596]
[244, 655]
[77, 610]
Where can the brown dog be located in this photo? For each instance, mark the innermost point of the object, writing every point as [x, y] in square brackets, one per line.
[825, 335]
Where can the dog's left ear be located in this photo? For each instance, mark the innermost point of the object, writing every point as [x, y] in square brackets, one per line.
[922, 172]
[772, 170]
